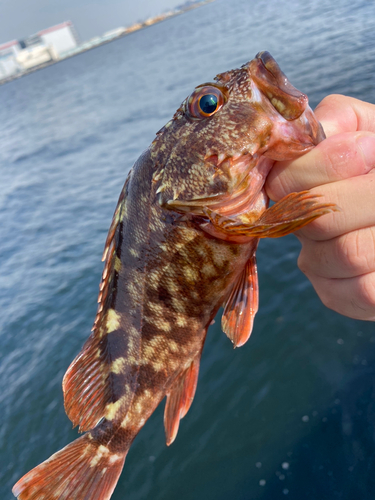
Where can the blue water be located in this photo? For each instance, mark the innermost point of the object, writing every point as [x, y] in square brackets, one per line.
[289, 415]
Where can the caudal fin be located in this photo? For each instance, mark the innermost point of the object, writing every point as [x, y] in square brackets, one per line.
[83, 470]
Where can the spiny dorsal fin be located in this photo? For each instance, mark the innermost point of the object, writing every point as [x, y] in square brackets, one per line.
[242, 305]
[109, 254]
[179, 399]
[100, 381]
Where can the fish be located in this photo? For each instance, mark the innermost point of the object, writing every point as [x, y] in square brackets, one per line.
[182, 244]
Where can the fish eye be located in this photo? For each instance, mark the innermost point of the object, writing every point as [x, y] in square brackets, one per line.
[208, 103]
[205, 101]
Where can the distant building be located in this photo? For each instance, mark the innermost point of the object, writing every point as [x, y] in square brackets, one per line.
[62, 37]
[44, 47]
[8, 63]
[34, 56]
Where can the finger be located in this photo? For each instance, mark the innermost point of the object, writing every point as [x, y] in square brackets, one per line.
[339, 157]
[352, 297]
[356, 199]
[339, 113]
[346, 256]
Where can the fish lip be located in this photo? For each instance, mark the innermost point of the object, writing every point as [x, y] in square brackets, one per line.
[267, 63]
[289, 102]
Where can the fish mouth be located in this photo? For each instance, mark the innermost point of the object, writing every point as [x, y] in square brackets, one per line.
[285, 98]
[296, 119]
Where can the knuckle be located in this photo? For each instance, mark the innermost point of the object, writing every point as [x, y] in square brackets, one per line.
[328, 298]
[323, 228]
[341, 156]
[303, 262]
[337, 101]
[324, 287]
[330, 100]
[366, 293]
[356, 250]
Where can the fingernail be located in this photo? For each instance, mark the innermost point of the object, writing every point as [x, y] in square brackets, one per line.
[367, 148]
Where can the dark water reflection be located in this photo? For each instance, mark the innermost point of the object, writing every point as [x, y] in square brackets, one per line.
[289, 415]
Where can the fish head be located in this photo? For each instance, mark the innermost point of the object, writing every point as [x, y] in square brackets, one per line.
[224, 138]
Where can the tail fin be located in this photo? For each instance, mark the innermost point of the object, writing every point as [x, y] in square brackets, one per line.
[80, 471]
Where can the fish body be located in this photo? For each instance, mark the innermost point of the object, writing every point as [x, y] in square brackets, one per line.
[182, 244]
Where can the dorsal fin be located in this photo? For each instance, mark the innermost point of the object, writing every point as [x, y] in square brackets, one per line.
[96, 383]
[242, 305]
[179, 399]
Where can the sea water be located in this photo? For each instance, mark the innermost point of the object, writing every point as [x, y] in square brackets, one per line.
[289, 415]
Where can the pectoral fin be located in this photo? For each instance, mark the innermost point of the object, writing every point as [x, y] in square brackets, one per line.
[179, 399]
[284, 217]
[242, 305]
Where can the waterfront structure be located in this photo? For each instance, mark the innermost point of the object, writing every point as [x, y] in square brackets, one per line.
[38, 55]
[115, 33]
[44, 47]
[61, 37]
[8, 63]
[53, 44]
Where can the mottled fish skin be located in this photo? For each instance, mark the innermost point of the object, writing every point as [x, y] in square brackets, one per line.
[181, 245]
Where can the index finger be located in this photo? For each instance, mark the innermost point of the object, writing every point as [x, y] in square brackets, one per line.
[339, 113]
[338, 157]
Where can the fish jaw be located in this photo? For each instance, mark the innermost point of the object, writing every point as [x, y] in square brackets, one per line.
[293, 139]
[295, 127]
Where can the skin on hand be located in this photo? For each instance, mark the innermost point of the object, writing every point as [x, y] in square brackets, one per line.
[338, 249]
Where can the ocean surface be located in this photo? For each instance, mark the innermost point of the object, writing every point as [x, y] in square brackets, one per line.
[289, 415]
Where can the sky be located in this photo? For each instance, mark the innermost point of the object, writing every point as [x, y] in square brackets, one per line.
[21, 18]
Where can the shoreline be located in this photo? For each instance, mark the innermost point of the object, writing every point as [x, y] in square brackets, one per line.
[144, 25]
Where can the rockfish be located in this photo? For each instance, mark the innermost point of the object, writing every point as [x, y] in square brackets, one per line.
[182, 244]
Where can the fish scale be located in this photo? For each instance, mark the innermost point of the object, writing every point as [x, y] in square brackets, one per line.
[181, 245]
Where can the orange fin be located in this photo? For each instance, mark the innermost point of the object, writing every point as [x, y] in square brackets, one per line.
[82, 470]
[242, 305]
[109, 254]
[286, 216]
[116, 217]
[86, 388]
[103, 373]
[90, 384]
[179, 399]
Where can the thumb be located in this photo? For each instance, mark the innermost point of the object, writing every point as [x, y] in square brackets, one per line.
[339, 113]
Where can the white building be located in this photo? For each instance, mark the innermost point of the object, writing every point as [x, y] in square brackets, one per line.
[46, 46]
[62, 37]
[8, 63]
[32, 57]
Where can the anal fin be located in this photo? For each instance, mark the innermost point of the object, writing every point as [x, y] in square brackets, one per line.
[179, 399]
[242, 305]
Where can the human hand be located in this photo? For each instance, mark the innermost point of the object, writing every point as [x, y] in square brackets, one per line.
[338, 249]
